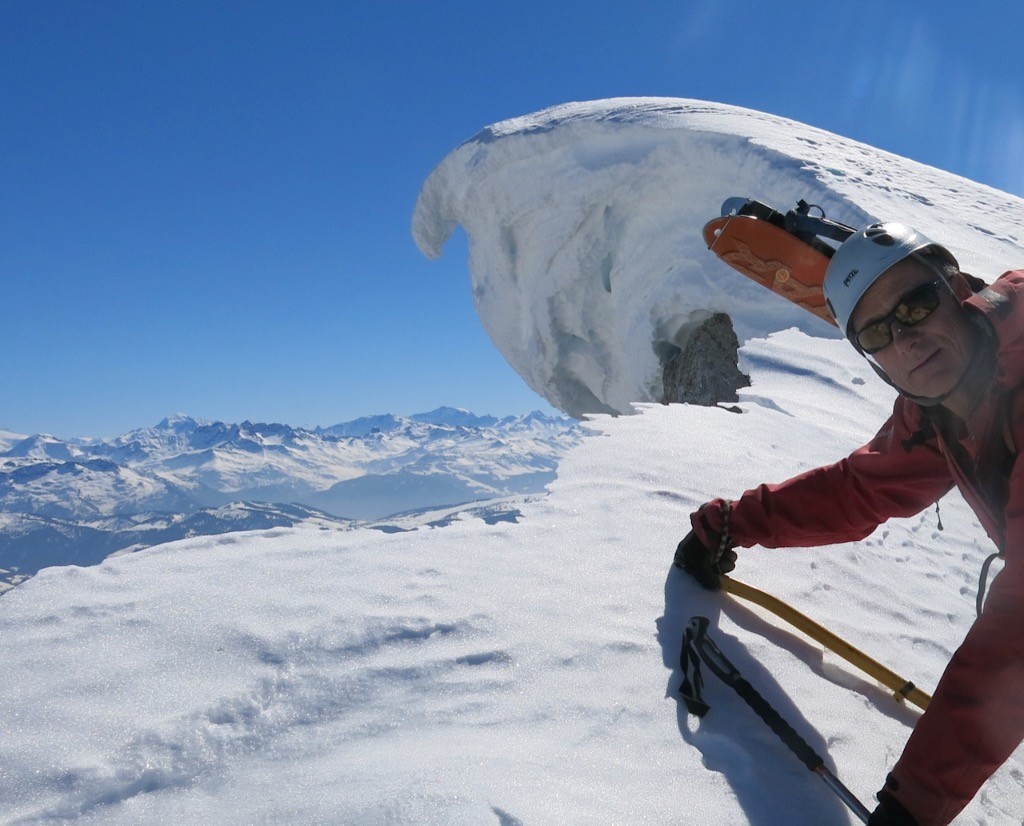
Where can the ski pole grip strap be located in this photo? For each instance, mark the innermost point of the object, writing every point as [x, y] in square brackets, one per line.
[692, 688]
[710, 653]
[698, 646]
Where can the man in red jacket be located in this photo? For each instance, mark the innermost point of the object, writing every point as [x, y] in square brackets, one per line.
[954, 349]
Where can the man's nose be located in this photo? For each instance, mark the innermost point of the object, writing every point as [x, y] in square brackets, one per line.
[904, 336]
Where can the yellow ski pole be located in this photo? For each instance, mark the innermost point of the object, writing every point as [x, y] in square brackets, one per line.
[902, 689]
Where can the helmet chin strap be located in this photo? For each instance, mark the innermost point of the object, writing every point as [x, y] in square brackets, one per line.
[923, 401]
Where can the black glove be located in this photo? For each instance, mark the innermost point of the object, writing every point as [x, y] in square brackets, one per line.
[890, 812]
[704, 564]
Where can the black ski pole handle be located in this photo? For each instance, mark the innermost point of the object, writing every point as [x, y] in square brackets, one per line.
[710, 653]
[714, 659]
[719, 664]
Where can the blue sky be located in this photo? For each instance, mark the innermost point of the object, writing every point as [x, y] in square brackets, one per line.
[205, 206]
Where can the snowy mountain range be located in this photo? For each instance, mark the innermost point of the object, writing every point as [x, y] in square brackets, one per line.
[77, 501]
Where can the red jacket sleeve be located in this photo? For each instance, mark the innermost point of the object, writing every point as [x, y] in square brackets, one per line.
[976, 718]
[892, 475]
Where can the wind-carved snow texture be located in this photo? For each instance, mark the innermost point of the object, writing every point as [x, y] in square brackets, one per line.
[299, 689]
[497, 673]
[584, 225]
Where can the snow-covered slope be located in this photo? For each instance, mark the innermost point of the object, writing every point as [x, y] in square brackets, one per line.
[8, 438]
[505, 673]
[87, 489]
[584, 224]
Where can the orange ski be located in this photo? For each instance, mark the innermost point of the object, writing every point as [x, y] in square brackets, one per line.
[772, 257]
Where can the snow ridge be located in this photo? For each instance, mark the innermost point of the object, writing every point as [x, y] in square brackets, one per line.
[586, 255]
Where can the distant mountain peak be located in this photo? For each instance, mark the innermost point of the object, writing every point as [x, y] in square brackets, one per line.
[454, 417]
[364, 426]
[179, 422]
[43, 446]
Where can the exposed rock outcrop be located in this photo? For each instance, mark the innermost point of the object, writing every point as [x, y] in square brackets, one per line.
[705, 370]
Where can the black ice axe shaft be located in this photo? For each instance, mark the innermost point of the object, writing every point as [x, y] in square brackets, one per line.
[711, 654]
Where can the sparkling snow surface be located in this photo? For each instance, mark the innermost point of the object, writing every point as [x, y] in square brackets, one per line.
[509, 673]
[528, 673]
[584, 225]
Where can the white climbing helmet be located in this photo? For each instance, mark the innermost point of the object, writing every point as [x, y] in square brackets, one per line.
[863, 257]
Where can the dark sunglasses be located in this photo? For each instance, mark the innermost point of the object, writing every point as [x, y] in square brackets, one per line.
[912, 309]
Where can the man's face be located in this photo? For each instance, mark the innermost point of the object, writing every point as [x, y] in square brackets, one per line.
[929, 358]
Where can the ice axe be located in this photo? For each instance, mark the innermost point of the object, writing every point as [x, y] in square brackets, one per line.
[903, 689]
